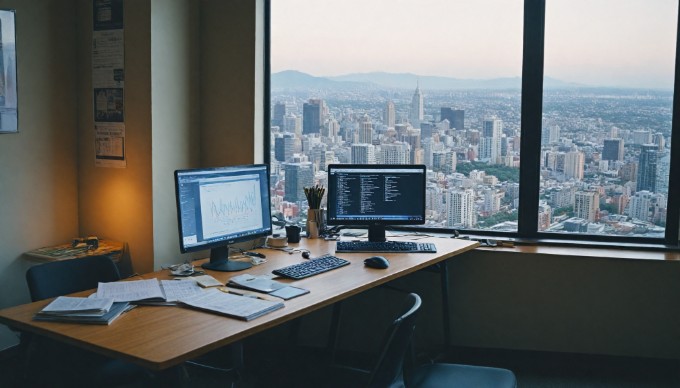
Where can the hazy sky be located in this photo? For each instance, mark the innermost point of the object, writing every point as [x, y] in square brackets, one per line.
[597, 42]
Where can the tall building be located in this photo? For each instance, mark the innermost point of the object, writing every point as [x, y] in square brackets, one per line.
[587, 205]
[366, 132]
[456, 117]
[279, 114]
[298, 176]
[460, 209]
[417, 111]
[363, 154]
[613, 149]
[492, 200]
[647, 168]
[573, 164]
[550, 133]
[640, 204]
[490, 140]
[389, 114]
[641, 137]
[284, 147]
[312, 116]
[396, 153]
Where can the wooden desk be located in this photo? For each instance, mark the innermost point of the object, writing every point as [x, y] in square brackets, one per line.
[159, 337]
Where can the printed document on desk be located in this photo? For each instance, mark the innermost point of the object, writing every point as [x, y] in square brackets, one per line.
[117, 308]
[65, 305]
[261, 283]
[235, 306]
[132, 291]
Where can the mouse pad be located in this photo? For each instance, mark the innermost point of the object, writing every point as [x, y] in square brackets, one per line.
[289, 292]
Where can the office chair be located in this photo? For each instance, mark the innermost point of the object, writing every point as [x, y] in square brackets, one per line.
[392, 368]
[43, 355]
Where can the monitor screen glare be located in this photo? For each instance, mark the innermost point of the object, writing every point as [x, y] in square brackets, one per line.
[376, 196]
[217, 207]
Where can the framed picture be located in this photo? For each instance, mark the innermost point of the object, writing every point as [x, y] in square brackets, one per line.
[8, 72]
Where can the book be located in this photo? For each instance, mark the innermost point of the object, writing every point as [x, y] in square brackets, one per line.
[66, 305]
[234, 306]
[261, 283]
[117, 308]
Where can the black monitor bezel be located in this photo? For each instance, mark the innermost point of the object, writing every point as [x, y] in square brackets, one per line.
[331, 213]
[216, 245]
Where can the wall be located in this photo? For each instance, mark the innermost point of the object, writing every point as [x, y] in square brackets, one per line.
[38, 165]
[175, 114]
[601, 305]
[228, 82]
[116, 203]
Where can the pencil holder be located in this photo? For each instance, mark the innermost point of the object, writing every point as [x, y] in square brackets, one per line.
[312, 223]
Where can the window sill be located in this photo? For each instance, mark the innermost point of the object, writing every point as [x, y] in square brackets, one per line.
[591, 249]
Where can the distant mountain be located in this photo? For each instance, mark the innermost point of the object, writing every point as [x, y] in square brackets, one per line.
[291, 79]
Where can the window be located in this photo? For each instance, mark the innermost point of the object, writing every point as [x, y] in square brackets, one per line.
[524, 133]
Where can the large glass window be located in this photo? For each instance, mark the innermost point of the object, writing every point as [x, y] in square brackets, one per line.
[607, 115]
[400, 82]
[440, 83]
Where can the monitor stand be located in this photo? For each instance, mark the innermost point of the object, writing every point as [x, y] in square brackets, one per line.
[376, 233]
[219, 261]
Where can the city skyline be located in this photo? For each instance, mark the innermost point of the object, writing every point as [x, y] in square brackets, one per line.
[599, 43]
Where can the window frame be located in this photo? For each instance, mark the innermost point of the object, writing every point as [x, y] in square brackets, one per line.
[531, 117]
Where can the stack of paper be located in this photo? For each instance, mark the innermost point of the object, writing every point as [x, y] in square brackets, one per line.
[149, 291]
[235, 306]
[82, 310]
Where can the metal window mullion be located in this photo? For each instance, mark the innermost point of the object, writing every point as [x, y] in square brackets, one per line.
[532, 106]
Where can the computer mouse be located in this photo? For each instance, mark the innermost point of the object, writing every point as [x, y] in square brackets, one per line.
[377, 262]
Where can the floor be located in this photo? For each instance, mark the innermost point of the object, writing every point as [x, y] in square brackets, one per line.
[272, 366]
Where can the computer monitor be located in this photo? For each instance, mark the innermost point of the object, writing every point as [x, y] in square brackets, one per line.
[217, 207]
[376, 195]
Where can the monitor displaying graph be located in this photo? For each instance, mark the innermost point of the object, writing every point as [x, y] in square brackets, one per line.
[220, 206]
[230, 206]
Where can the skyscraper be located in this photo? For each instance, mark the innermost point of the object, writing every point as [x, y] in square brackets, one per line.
[389, 115]
[490, 140]
[312, 116]
[613, 149]
[417, 110]
[298, 176]
[396, 153]
[586, 205]
[647, 168]
[363, 154]
[460, 209]
[456, 117]
[279, 114]
[573, 164]
[284, 147]
[366, 131]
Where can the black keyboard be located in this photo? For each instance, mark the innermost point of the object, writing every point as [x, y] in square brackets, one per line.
[311, 267]
[385, 246]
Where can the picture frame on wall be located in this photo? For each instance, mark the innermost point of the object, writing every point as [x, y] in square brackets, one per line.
[8, 73]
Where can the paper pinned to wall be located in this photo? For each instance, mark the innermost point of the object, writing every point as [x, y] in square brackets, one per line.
[108, 83]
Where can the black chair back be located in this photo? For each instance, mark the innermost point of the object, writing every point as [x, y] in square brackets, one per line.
[388, 371]
[68, 276]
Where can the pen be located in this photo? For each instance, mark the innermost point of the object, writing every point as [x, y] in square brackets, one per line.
[241, 294]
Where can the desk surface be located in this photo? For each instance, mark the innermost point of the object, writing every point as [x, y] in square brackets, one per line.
[159, 337]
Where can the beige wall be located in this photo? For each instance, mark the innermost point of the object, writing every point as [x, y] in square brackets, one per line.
[116, 203]
[228, 93]
[38, 165]
[175, 113]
